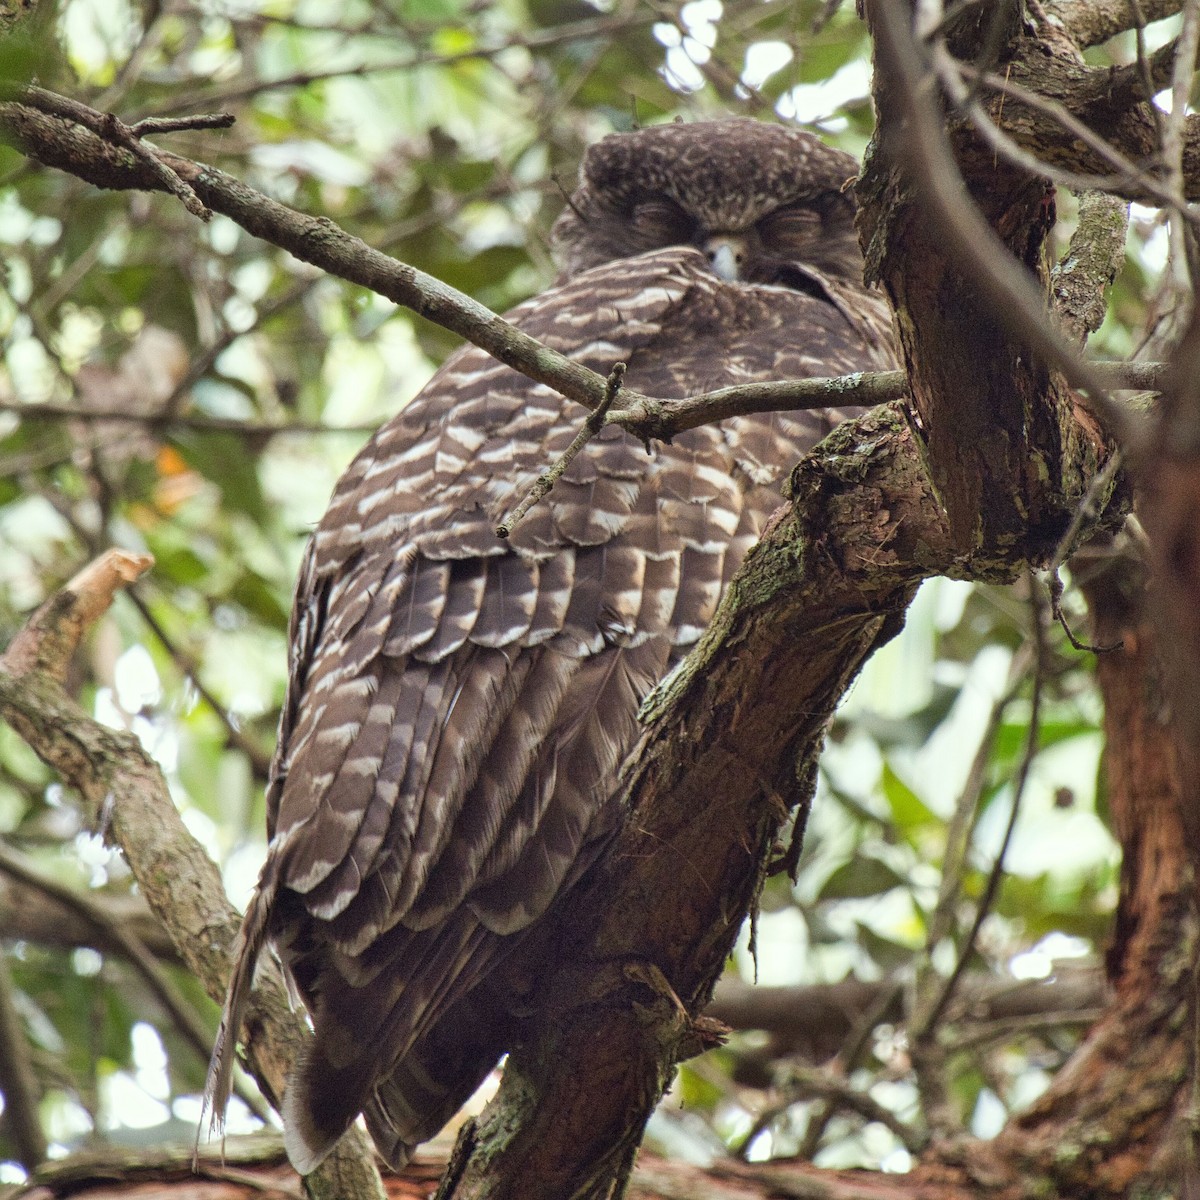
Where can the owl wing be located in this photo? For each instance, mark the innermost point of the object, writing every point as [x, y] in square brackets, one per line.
[459, 707]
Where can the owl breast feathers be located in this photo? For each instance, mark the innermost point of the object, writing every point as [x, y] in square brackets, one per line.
[459, 707]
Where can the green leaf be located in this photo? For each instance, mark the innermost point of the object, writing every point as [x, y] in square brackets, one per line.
[225, 460]
[862, 876]
[908, 809]
[891, 955]
[261, 600]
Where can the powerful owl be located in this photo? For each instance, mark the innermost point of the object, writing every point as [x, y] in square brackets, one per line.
[459, 707]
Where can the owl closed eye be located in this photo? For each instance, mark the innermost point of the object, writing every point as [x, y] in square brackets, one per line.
[659, 221]
[790, 230]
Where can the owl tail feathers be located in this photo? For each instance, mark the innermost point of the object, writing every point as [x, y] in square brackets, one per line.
[432, 1080]
[320, 1104]
[249, 944]
[435, 1079]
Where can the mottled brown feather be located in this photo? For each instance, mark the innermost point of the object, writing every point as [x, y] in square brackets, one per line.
[459, 708]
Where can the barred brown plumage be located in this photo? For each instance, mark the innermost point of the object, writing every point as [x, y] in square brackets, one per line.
[459, 707]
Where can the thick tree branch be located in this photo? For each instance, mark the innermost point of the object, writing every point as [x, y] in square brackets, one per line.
[961, 266]
[1088, 120]
[1079, 283]
[1006, 284]
[1090, 22]
[828, 583]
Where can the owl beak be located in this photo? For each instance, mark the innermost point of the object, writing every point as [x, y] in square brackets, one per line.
[726, 254]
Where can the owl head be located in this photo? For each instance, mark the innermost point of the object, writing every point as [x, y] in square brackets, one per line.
[755, 199]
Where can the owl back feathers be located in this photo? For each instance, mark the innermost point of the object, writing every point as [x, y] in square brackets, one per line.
[459, 708]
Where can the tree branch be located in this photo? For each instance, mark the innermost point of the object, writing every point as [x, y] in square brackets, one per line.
[18, 1081]
[1090, 22]
[48, 411]
[113, 935]
[827, 584]
[51, 139]
[1005, 283]
[1080, 281]
[55, 141]
[124, 795]
[29, 914]
[643, 417]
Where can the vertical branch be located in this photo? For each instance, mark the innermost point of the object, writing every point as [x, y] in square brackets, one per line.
[1128, 1083]
[18, 1081]
[966, 295]
[1182, 262]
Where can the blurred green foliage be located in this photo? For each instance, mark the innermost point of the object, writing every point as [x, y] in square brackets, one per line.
[443, 131]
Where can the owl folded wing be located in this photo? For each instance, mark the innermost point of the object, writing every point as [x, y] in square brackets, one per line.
[459, 707]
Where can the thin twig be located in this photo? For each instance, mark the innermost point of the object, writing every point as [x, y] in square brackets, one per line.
[116, 132]
[1143, 64]
[592, 425]
[152, 125]
[565, 196]
[847, 1060]
[120, 134]
[1085, 511]
[543, 39]
[438, 216]
[46, 411]
[1010, 1027]
[838, 1094]
[259, 759]
[645, 417]
[927, 1056]
[955, 860]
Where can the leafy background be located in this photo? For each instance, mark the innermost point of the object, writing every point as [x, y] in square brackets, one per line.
[445, 133]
